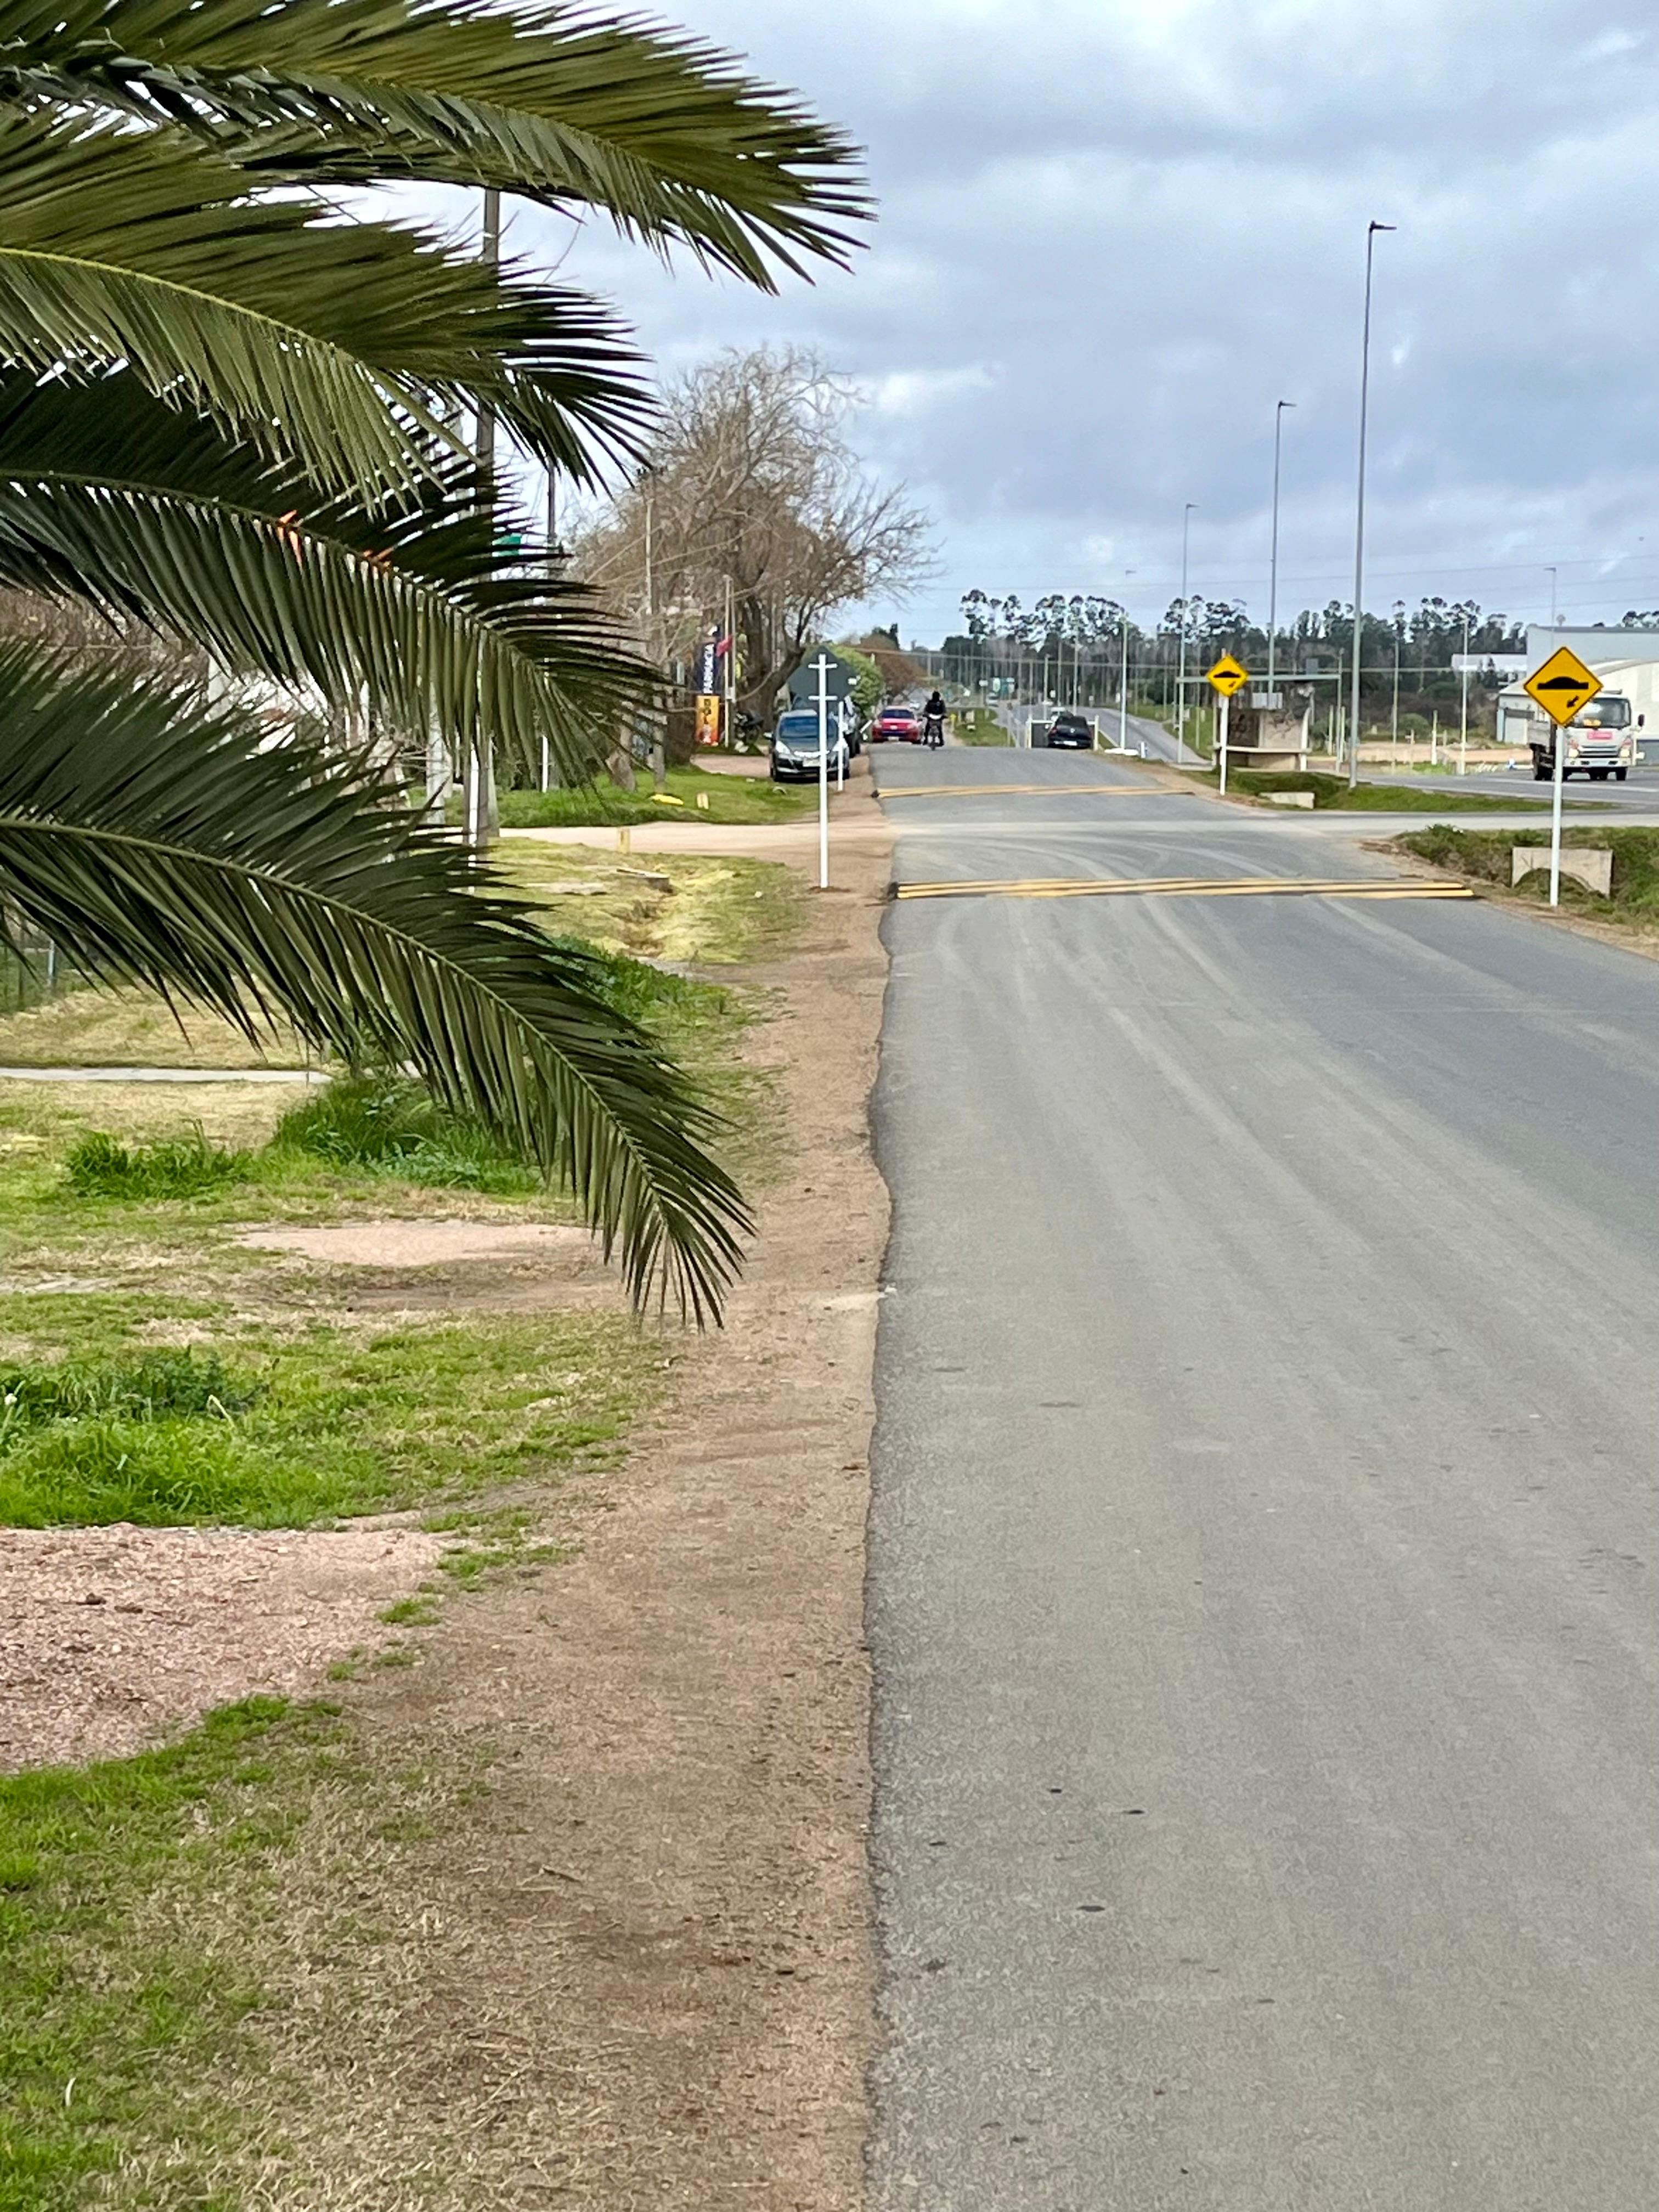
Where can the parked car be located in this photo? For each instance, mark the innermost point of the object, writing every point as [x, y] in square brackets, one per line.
[896, 724]
[795, 748]
[1070, 729]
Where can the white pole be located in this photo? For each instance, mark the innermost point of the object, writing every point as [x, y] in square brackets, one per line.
[1123, 690]
[1463, 732]
[1555, 815]
[1181, 679]
[543, 760]
[1225, 703]
[1371, 230]
[1272, 562]
[823, 771]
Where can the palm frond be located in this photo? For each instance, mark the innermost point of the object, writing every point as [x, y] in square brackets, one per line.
[107, 496]
[155, 841]
[661, 132]
[344, 345]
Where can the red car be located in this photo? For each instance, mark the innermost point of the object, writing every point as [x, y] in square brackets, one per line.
[901, 724]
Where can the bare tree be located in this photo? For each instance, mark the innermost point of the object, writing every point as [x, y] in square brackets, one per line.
[751, 487]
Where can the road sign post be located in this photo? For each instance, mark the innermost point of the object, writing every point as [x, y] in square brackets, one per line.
[1563, 687]
[1226, 676]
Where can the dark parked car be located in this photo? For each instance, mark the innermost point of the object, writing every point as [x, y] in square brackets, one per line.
[795, 748]
[1070, 730]
[901, 725]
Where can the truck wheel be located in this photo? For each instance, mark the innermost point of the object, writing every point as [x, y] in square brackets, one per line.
[1620, 774]
[1540, 773]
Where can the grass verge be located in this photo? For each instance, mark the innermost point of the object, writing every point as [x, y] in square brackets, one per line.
[120, 1996]
[286, 1429]
[978, 725]
[169, 1925]
[733, 799]
[1333, 791]
[1483, 857]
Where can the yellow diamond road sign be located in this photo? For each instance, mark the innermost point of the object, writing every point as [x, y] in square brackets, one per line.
[1227, 675]
[1563, 685]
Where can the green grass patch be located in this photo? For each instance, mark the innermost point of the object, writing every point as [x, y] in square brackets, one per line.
[1333, 791]
[127, 1890]
[340, 1422]
[100, 1165]
[1483, 856]
[978, 725]
[730, 799]
[148, 1386]
[386, 1124]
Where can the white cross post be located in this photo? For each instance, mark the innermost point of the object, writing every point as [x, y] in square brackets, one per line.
[822, 666]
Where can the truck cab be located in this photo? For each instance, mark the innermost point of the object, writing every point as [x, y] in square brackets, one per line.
[1601, 741]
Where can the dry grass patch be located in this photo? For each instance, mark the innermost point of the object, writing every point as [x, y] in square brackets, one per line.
[133, 1029]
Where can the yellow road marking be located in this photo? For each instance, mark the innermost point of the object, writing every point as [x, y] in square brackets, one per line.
[1396, 887]
[1026, 790]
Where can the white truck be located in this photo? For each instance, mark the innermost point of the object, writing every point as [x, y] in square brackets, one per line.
[1601, 739]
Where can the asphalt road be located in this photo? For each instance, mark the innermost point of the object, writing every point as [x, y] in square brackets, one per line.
[1160, 743]
[1262, 1558]
[1640, 795]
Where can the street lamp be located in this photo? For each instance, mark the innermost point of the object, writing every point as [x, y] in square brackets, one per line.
[1181, 677]
[1273, 565]
[1371, 229]
[1551, 573]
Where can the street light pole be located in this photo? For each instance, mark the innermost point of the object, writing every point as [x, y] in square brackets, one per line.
[1181, 678]
[1371, 229]
[1551, 577]
[1272, 564]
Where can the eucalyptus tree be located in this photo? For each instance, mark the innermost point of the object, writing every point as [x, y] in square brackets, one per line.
[231, 408]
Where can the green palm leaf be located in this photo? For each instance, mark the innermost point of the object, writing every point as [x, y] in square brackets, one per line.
[156, 842]
[661, 132]
[107, 495]
[342, 344]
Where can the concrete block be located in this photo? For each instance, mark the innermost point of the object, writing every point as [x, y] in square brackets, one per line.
[1289, 797]
[1594, 868]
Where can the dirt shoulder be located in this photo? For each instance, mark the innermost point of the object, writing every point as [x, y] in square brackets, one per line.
[640, 1974]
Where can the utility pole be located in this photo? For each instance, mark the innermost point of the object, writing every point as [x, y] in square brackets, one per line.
[1463, 732]
[1273, 563]
[1123, 676]
[478, 782]
[1394, 718]
[1181, 680]
[1371, 230]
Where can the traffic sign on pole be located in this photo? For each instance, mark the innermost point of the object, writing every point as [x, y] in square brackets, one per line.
[1563, 687]
[1227, 676]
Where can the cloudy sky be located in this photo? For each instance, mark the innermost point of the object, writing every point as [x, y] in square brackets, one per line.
[1114, 232]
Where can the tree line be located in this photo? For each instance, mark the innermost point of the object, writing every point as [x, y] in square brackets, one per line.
[1075, 643]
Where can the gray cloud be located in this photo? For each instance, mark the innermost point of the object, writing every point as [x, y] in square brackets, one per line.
[1114, 232]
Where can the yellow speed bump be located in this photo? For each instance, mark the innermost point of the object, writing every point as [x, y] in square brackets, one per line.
[1394, 887]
